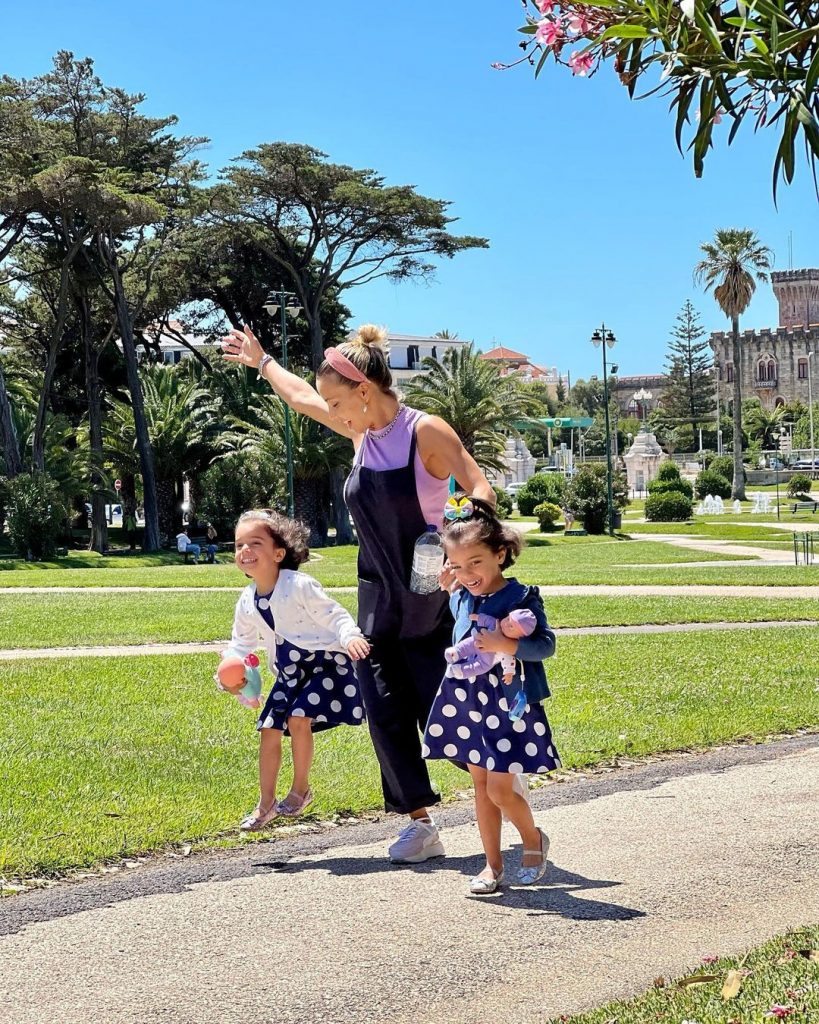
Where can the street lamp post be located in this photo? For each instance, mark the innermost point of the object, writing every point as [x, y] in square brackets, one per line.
[810, 413]
[601, 339]
[775, 436]
[287, 303]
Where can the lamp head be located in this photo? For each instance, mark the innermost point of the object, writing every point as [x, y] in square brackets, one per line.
[271, 305]
[597, 339]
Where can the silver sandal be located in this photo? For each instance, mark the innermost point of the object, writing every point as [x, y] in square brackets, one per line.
[530, 875]
[485, 886]
[257, 819]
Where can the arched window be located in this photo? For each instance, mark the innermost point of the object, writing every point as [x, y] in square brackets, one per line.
[779, 400]
[729, 372]
[802, 369]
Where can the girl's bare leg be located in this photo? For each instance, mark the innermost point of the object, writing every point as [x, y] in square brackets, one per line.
[301, 738]
[270, 760]
[517, 810]
[489, 824]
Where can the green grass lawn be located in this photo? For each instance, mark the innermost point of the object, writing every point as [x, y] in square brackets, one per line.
[777, 974]
[104, 758]
[91, 619]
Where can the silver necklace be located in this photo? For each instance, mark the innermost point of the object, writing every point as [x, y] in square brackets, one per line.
[378, 435]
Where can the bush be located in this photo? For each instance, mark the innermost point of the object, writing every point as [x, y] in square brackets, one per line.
[709, 482]
[724, 465]
[539, 488]
[586, 496]
[798, 485]
[671, 486]
[668, 507]
[548, 515]
[35, 515]
[232, 486]
[504, 504]
[669, 470]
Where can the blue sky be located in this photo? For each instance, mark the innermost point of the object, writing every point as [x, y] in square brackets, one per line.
[591, 212]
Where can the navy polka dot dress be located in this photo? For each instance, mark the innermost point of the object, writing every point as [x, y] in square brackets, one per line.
[320, 685]
[469, 723]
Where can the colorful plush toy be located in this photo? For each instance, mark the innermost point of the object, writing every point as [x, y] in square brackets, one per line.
[465, 660]
[242, 678]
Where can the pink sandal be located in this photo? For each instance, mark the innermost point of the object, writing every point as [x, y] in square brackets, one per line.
[293, 805]
[257, 819]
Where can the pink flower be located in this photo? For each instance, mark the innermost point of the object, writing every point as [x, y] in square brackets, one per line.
[544, 6]
[580, 63]
[579, 24]
[780, 1011]
[548, 32]
[710, 959]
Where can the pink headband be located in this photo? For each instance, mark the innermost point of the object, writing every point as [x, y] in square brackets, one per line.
[341, 364]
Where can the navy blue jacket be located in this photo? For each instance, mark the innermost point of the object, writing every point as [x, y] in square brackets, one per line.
[529, 671]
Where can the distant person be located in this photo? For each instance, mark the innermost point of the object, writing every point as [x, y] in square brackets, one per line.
[212, 547]
[311, 644]
[130, 525]
[185, 547]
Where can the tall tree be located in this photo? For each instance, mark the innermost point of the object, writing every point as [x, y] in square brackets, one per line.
[12, 462]
[731, 266]
[330, 226]
[480, 405]
[758, 61]
[690, 394]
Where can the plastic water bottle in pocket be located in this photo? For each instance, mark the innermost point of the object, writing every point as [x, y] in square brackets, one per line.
[427, 562]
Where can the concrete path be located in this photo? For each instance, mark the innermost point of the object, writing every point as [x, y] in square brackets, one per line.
[130, 650]
[653, 868]
[761, 556]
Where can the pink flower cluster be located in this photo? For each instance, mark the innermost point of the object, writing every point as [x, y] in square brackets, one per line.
[777, 1010]
[554, 29]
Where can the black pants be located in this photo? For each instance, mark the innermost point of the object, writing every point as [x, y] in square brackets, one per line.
[398, 684]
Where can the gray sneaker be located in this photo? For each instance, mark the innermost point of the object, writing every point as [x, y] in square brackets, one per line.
[418, 842]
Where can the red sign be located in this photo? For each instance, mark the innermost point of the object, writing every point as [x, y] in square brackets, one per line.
[118, 484]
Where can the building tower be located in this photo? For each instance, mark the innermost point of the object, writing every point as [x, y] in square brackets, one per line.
[797, 292]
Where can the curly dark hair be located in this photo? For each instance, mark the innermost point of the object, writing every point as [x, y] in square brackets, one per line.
[484, 527]
[289, 534]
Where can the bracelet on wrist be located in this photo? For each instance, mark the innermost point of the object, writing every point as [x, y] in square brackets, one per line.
[263, 363]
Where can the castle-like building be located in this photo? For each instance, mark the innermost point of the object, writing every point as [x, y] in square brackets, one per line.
[776, 362]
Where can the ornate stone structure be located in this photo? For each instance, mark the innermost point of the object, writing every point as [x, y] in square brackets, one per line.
[643, 460]
[775, 363]
[519, 464]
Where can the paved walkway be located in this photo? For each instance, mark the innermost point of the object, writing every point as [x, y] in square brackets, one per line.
[653, 868]
[761, 556]
[216, 646]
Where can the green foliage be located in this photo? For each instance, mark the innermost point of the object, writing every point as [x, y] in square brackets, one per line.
[668, 507]
[714, 62]
[541, 487]
[480, 405]
[36, 515]
[668, 471]
[709, 482]
[724, 465]
[504, 503]
[586, 496]
[548, 516]
[799, 484]
[678, 486]
[689, 397]
[232, 486]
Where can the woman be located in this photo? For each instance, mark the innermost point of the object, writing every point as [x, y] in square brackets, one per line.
[398, 484]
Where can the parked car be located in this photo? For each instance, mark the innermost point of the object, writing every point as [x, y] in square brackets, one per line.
[512, 489]
[805, 464]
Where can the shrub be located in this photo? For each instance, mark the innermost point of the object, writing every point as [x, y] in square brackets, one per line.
[586, 496]
[724, 465]
[669, 470]
[504, 504]
[539, 488]
[799, 484]
[548, 515]
[35, 515]
[668, 507]
[670, 486]
[232, 486]
[709, 482]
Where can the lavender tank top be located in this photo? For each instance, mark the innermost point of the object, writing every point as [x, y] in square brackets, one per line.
[389, 449]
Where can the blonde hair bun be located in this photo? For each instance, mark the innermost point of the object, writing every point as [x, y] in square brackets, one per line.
[370, 336]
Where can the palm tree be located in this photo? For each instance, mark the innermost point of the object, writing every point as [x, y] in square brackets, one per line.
[761, 423]
[315, 455]
[732, 265]
[480, 404]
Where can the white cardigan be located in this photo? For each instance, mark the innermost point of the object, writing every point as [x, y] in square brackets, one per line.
[303, 613]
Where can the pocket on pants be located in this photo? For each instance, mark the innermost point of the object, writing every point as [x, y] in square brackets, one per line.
[376, 615]
[421, 614]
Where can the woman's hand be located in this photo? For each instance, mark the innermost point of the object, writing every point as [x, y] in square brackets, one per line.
[358, 648]
[242, 347]
[495, 642]
[446, 579]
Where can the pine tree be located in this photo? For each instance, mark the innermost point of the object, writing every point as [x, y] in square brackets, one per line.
[689, 395]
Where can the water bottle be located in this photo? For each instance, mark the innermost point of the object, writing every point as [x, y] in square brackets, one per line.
[427, 562]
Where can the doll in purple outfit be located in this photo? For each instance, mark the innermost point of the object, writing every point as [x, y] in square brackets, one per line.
[464, 660]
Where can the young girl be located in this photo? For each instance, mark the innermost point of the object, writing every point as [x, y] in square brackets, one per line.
[311, 642]
[469, 722]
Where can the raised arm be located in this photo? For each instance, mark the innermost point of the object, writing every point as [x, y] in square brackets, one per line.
[443, 455]
[243, 347]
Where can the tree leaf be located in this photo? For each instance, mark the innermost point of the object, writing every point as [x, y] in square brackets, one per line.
[732, 985]
[625, 32]
[697, 979]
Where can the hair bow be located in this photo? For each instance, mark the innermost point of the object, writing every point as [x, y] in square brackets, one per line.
[458, 508]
